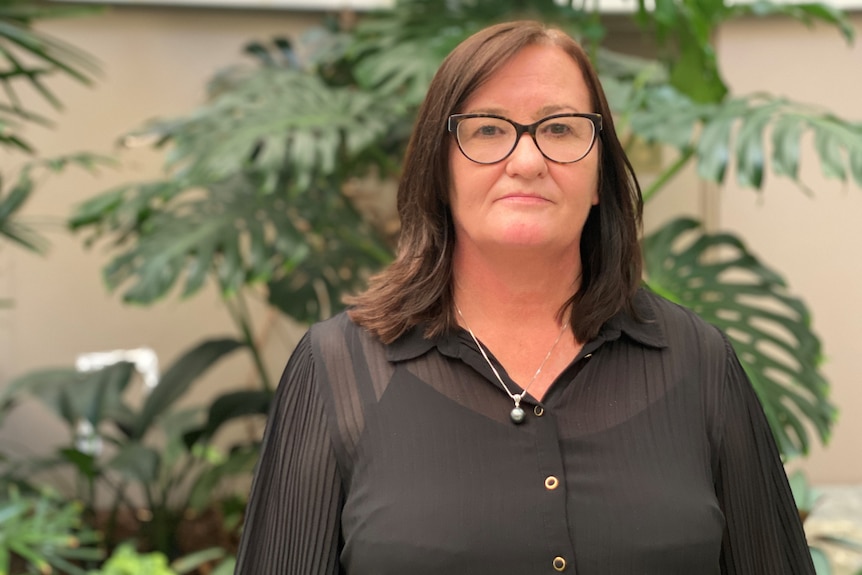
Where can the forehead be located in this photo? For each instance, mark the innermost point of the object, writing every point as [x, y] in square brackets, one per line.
[539, 79]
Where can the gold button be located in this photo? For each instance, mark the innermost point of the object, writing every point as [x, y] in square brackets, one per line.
[559, 563]
[588, 356]
[551, 482]
[538, 411]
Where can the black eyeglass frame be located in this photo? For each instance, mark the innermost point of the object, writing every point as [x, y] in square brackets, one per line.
[521, 129]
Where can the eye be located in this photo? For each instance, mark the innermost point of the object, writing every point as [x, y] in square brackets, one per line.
[483, 129]
[487, 131]
[558, 129]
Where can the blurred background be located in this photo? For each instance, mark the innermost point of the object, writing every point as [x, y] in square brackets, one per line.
[200, 180]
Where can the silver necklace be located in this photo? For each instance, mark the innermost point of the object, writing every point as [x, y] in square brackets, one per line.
[517, 414]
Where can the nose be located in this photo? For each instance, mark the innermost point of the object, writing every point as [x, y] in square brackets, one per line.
[526, 160]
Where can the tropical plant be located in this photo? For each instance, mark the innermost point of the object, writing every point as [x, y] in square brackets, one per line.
[806, 498]
[258, 191]
[119, 448]
[16, 195]
[45, 532]
[126, 560]
[27, 59]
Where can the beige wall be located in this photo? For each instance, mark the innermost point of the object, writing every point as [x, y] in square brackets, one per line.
[156, 63]
[815, 241]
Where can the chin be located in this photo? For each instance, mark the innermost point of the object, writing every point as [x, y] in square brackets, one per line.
[521, 233]
[526, 240]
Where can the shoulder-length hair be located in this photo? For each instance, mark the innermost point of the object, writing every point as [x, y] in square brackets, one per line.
[416, 288]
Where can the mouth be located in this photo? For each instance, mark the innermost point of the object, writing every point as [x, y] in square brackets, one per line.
[524, 197]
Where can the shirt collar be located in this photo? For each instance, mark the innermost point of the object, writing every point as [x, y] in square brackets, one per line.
[647, 332]
[645, 329]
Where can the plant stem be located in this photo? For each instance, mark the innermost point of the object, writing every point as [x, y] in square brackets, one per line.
[110, 529]
[189, 463]
[668, 174]
[242, 318]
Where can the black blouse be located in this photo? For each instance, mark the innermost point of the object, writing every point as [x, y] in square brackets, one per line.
[649, 455]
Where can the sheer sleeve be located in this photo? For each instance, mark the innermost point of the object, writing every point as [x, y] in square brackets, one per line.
[292, 524]
[763, 533]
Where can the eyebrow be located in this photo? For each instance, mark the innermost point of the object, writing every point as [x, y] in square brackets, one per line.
[543, 112]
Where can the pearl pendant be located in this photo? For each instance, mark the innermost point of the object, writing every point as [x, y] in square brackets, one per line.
[517, 415]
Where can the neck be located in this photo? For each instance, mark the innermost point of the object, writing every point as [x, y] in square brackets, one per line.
[523, 288]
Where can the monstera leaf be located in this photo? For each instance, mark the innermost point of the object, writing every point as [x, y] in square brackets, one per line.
[757, 135]
[718, 278]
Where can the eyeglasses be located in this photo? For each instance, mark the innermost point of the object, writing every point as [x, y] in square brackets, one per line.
[561, 138]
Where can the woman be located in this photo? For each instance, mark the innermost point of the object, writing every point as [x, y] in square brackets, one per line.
[504, 399]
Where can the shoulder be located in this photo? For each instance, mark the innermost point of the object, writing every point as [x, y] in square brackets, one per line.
[352, 373]
[321, 345]
[689, 340]
[699, 354]
[350, 360]
[678, 323]
[339, 335]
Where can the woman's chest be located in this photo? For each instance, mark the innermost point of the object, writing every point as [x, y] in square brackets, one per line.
[438, 488]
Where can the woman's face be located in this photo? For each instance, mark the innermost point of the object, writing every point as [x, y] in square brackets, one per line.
[525, 200]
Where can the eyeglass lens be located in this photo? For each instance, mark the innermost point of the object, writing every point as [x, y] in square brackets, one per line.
[489, 140]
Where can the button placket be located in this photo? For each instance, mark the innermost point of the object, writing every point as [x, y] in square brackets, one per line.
[553, 502]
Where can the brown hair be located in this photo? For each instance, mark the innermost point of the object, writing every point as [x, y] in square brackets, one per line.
[417, 287]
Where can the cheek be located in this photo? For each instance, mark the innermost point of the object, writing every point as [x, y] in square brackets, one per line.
[469, 183]
[583, 183]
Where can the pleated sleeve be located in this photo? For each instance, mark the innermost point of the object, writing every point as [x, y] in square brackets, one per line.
[763, 532]
[292, 523]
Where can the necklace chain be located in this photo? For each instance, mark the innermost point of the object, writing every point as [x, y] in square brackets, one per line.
[517, 413]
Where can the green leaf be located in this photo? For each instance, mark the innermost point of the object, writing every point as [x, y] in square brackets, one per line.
[821, 561]
[199, 266]
[11, 202]
[829, 149]
[844, 542]
[126, 560]
[695, 73]
[667, 116]
[786, 134]
[240, 461]
[803, 494]
[717, 277]
[807, 13]
[713, 148]
[27, 56]
[230, 270]
[856, 165]
[177, 380]
[226, 567]
[137, 462]
[227, 407]
[74, 395]
[190, 562]
[750, 154]
[670, 118]
[84, 463]
[45, 532]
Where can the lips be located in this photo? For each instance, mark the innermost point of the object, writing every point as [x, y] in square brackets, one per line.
[525, 196]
